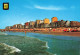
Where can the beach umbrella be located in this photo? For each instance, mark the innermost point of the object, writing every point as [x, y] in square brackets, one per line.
[65, 30]
[53, 29]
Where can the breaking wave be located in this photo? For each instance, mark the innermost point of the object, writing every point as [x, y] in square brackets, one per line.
[8, 49]
[26, 45]
[2, 33]
[46, 45]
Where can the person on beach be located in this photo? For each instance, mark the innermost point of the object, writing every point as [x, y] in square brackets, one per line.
[69, 30]
[25, 32]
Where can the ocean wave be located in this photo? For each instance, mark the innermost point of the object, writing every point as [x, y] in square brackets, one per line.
[46, 45]
[55, 54]
[27, 45]
[2, 33]
[9, 49]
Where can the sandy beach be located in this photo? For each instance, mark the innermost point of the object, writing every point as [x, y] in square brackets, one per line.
[60, 33]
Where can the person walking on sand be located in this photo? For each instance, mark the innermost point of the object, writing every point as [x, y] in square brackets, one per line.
[25, 32]
[69, 30]
[50, 30]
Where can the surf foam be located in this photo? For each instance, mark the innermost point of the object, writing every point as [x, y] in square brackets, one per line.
[8, 48]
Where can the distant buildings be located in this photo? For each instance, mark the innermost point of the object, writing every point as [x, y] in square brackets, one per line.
[46, 21]
[31, 24]
[18, 26]
[9, 27]
[37, 23]
[41, 21]
[74, 24]
[26, 25]
[15, 26]
[62, 23]
[45, 24]
[41, 24]
[67, 24]
[54, 19]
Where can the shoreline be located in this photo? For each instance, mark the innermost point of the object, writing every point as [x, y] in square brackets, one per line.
[46, 31]
[73, 34]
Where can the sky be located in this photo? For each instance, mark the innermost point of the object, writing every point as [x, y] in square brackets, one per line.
[21, 11]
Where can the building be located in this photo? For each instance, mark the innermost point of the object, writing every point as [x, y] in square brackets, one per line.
[46, 21]
[62, 23]
[37, 23]
[52, 25]
[54, 19]
[74, 24]
[26, 25]
[41, 21]
[41, 25]
[9, 27]
[15, 26]
[46, 25]
[20, 26]
[58, 24]
[31, 24]
[55, 24]
[78, 24]
[67, 24]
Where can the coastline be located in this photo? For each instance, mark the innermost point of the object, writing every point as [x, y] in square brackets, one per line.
[57, 31]
[73, 34]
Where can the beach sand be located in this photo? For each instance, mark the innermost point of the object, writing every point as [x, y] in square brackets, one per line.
[46, 31]
[60, 33]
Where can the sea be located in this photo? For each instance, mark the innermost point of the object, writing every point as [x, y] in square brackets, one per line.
[56, 44]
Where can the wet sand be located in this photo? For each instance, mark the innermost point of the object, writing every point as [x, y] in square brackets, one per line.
[51, 32]
[60, 33]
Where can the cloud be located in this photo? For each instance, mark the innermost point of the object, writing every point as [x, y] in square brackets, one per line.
[56, 8]
[50, 7]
